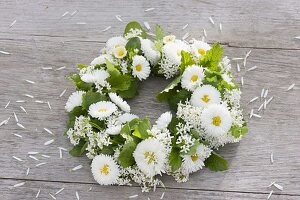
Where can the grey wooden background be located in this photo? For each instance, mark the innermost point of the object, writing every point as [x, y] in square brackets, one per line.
[41, 37]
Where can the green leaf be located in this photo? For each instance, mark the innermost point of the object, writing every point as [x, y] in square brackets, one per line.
[117, 81]
[140, 131]
[133, 44]
[131, 91]
[97, 124]
[134, 25]
[81, 66]
[80, 85]
[186, 60]
[215, 162]
[76, 112]
[107, 150]
[159, 32]
[182, 95]
[172, 125]
[167, 92]
[193, 148]
[238, 131]
[175, 160]
[79, 149]
[90, 98]
[212, 58]
[126, 158]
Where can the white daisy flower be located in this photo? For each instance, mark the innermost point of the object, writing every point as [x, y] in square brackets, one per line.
[199, 48]
[95, 76]
[169, 38]
[205, 95]
[150, 157]
[100, 60]
[75, 99]
[192, 77]
[126, 117]
[192, 163]
[115, 42]
[102, 109]
[164, 120]
[113, 130]
[120, 52]
[119, 102]
[172, 51]
[216, 120]
[105, 169]
[150, 51]
[140, 67]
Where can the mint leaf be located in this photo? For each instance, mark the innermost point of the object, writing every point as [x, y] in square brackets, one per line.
[134, 25]
[126, 158]
[175, 161]
[215, 162]
[79, 149]
[159, 32]
[90, 98]
[238, 131]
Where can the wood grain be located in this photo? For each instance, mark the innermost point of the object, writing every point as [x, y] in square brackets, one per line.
[41, 39]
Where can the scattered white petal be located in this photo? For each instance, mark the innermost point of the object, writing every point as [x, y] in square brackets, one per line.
[49, 142]
[32, 152]
[47, 68]
[90, 189]
[49, 105]
[266, 93]
[29, 81]
[45, 156]
[146, 24]
[211, 21]
[67, 12]
[74, 12]
[17, 158]
[133, 196]
[260, 107]
[185, 36]
[118, 17]
[7, 105]
[298, 37]
[21, 126]
[279, 187]
[63, 92]
[238, 67]
[76, 168]
[16, 118]
[237, 59]
[272, 158]
[27, 171]
[291, 87]
[34, 158]
[13, 23]
[252, 68]
[220, 27]
[48, 131]
[270, 194]
[185, 26]
[106, 29]
[20, 101]
[60, 68]
[254, 99]
[79, 23]
[248, 54]
[262, 93]
[269, 100]
[64, 149]
[204, 32]
[60, 153]
[37, 194]
[20, 136]
[59, 191]
[23, 109]
[242, 81]
[19, 184]
[39, 101]
[256, 115]
[28, 95]
[3, 122]
[5, 52]
[77, 195]
[149, 9]
[271, 184]
[40, 164]
[53, 197]
[162, 196]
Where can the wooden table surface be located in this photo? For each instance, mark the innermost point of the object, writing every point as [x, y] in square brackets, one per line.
[41, 38]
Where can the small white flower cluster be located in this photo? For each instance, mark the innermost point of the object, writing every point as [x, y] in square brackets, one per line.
[125, 148]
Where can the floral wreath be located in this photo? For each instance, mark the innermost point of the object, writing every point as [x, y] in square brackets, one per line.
[204, 100]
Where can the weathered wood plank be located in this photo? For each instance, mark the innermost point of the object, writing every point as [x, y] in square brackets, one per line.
[269, 23]
[30, 189]
[250, 169]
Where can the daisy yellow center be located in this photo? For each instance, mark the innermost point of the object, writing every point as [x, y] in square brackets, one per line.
[205, 98]
[138, 67]
[104, 170]
[149, 156]
[201, 51]
[194, 78]
[102, 110]
[216, 121]
[194, 157]
[121, 53]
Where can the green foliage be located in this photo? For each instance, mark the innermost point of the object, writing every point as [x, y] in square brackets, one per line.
[167, 92]
[238, 131]
[81, 66]
[175, 160]
[107, 150]
[97, 124]
[193, 148]
[186, 60]
[91, 97]
[133, 47]
[76, 112]
[140, 129]
[181, 95]
[159, 32]
[215, 162]
[173, 123]
[79, 149]
[118, 81]
[212, 58]
[134, 25]
[126, 158]
[131, 91]
[80, 85]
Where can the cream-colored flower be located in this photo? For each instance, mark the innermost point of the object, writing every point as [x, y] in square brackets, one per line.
[120, 52]
[205, 95]
[169, 38]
